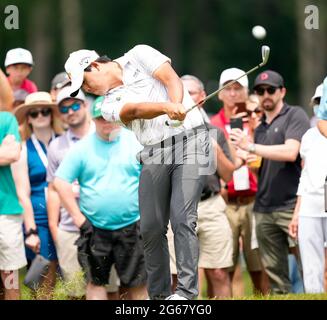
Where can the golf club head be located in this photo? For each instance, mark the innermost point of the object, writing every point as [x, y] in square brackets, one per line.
[265, 51]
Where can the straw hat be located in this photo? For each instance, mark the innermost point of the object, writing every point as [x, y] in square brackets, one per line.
[39, 99]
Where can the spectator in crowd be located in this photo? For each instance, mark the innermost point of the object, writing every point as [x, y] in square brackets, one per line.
[321, 112]
[19, 65]
[243, 187]
[19, 97]
[255, 113]
[40, 125]
[277, 141]
[74, 113]
[315, 102]
[12, 253]
[309, 223]
[59, 81]
[6, 94]
[213, 229]
[107, 170]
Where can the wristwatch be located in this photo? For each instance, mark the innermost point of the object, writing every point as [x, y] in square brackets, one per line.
[251, 148]
[30, 232]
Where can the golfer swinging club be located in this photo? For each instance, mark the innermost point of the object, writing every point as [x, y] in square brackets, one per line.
[142, 92]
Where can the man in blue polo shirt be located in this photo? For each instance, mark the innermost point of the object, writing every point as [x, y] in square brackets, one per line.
[106, 168]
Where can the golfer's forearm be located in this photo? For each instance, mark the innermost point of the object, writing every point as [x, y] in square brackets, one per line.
[142, 110]
[175, 90]
[169, 78]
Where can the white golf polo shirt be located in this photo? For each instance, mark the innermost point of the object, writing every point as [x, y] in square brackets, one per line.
[311, 187]
[138, 66]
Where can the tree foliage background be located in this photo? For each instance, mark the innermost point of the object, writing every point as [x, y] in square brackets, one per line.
[203, 37]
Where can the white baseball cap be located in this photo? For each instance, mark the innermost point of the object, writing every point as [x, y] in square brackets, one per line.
[65, 93]
[75, 65]
[318, 93]
[232, 74]
[18, 55]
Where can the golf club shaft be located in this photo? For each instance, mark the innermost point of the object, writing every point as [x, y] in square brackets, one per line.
[213, 94]
[265, 56]
[168, 123]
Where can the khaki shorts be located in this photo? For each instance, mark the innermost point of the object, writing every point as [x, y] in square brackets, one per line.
[70, 267]
[215, 236]
[12, 250]
[240, 219]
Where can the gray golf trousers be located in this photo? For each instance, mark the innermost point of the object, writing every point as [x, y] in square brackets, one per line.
[170, 188]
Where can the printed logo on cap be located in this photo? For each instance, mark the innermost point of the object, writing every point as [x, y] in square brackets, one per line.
[85, 61]
[264, 76]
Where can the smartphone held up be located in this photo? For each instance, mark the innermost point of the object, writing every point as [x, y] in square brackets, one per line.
[236, 123]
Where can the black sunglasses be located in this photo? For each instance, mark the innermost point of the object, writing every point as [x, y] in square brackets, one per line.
[35, 113]
[261, 91]
[256, 111]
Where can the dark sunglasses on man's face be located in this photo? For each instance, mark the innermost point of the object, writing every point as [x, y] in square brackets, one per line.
[257, 111]
[35, 113]
[270, 90]
[65, 109]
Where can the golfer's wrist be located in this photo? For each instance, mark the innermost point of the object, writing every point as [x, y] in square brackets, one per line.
[165, 108]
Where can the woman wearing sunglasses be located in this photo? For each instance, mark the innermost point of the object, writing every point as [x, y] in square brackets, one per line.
[254, 113]
[39, 125]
